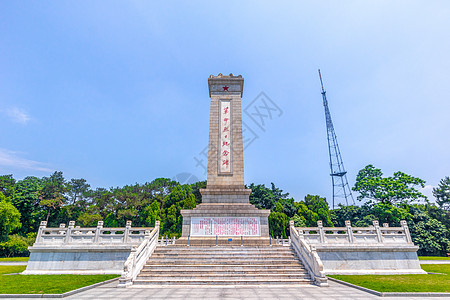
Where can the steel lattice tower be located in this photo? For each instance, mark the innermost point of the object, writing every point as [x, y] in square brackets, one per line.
[341, 189]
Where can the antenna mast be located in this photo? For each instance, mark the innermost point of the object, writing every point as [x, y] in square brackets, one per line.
[341, 189]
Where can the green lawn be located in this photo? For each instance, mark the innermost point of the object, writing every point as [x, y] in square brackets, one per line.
[14, 259]
[405, 283]
[44, 284]
[11, 269]
[433, 258]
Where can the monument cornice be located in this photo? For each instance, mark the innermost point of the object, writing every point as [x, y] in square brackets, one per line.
[223, 85]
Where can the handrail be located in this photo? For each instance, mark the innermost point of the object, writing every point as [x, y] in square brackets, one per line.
[138, 257]
[356, 235]
[308, 256]
[89, 235]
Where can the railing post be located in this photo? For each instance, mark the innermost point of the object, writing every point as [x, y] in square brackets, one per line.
[406, 230]
[349, 231]
[188, 240]
[68, 238]
[242, 241]
[376, 224]
[42, 226]
[270, 240]
[321, 232]
[97, 232]
[127, 232]
[217, 240]
[289, 240]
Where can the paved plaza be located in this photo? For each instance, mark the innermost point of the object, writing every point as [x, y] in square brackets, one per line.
[334, 291]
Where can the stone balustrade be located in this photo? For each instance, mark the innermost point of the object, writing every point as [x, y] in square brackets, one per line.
[73, 235]
[356, 235]
[356, 250]
[91, 250]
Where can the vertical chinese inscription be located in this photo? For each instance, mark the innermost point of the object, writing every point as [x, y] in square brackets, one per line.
[225, 137]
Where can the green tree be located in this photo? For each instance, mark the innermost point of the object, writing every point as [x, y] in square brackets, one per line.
[278, 222]
[442, 193]
[181, 197]
[263, 197]
[431, 236]
[312, 209]
[7, 183]
[77, 190]
[26, 200]
[9, 217]
[52, 193]
[400, 188]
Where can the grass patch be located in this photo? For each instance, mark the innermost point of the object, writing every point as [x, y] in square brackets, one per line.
[44, 284]
[433, 258]
[14, 259]
[11, 269]
[404, 283]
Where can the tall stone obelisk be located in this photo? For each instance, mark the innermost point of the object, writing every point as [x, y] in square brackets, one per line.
[225, 209]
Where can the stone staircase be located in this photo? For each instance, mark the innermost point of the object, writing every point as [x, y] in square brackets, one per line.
[223, 265]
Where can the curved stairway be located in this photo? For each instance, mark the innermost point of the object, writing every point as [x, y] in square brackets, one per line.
[182, 265]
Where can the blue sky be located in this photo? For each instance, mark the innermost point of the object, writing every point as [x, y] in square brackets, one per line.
[116, 92]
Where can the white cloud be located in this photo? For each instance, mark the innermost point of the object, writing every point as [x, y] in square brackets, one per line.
[17, 115]
[11, 159]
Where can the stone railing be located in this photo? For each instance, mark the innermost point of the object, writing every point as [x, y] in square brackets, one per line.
[138, 257]
[74, 235]
[308, 256]
[356, 235]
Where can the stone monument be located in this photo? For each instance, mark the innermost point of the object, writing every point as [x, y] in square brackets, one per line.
[225, 210]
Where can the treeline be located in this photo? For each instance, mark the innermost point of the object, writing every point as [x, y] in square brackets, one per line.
[24, 203]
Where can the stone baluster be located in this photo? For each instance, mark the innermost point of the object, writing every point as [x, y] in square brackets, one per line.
[97, 232]
[42, 226]
[376, 224]
[126, 234]
[69, 232]
[321, 232]
[406, 231]
[348, 224]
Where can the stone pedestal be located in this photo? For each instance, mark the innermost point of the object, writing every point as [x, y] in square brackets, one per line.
[225, 208]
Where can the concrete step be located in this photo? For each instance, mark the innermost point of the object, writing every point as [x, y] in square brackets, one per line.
[229, 265]
[222, 262]
[223, 275]
[218, 251]
[221, 281]
[222, 256]
[202, 268]
[175, 271]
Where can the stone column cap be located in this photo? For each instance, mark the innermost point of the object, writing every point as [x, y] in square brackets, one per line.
[226, 85]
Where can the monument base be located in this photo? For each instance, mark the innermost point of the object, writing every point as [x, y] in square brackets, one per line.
[225, 220]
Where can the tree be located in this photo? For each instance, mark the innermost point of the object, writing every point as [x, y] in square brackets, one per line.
[181, 197]
[312, 209]
[431, 236]
[442, 193]
[52, 193]
[77, 189]
[278, 222]
[7, 183]
[400, 188]
[9, 217]
[263, 197]
[26, 200]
